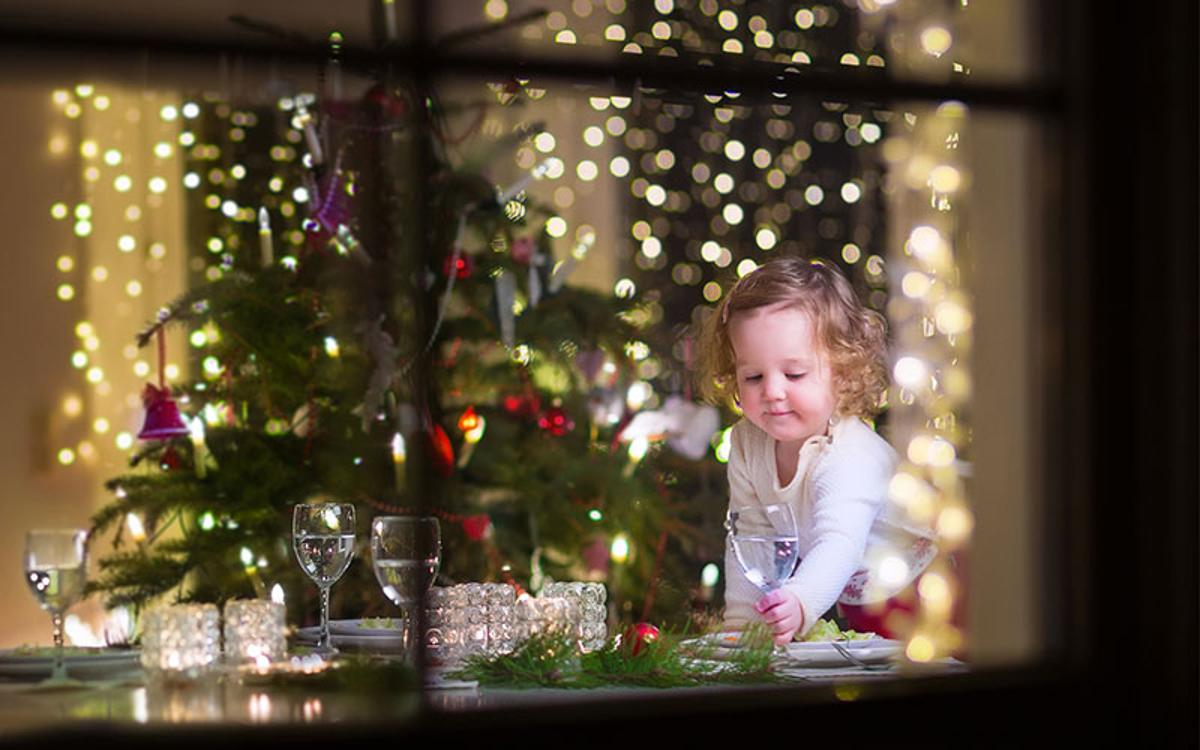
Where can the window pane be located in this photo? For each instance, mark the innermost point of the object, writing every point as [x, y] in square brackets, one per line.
[490, 312]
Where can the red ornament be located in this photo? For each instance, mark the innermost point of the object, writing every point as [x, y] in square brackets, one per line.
[477, 527]
[441, 451]
[522, 406]
[639, 636]
[169, 460]
[462, 268]
[555, 421]
[523, 249]
[163, 421]
[382, 101]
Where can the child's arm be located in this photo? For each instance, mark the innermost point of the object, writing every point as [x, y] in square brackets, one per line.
[849, 489]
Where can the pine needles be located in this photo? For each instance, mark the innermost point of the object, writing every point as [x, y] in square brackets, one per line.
[670, 661]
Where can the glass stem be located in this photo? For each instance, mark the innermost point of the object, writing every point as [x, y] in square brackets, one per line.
[406, 630]
[60, 669]
[323, 641]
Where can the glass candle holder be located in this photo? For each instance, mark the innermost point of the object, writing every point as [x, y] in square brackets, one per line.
[254, 631]
[181, 640]
[587, 613]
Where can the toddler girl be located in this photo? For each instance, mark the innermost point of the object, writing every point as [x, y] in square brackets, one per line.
[806, 363]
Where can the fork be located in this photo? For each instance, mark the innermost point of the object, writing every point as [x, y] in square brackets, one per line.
[845, 652]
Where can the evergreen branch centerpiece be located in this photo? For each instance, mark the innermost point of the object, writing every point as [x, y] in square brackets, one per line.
[669, 660]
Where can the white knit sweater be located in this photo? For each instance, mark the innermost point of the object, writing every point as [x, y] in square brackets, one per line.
[847, 526]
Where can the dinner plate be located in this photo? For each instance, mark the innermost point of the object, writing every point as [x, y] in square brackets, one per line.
[726, 640]
[374, 627]
[808, 653]
[93, 664]
[823, 654]
[349, 634]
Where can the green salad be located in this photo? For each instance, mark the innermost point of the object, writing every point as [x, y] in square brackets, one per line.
[827, 630]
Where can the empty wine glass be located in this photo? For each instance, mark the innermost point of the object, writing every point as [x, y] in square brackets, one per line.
[406, 552]
[56, 571]
[323, 539]
[765, 543]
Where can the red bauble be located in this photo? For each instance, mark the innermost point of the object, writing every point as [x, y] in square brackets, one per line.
[555, 421]
[382, 101]
[639, 636]
[526, 405]
[477, 527]
[462, 267]
[169, 460]
[440, 451]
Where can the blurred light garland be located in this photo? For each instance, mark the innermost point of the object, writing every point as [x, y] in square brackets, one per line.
[930, 314]
[130, 257]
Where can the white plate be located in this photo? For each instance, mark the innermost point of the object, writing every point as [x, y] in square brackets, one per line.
[823, 654]
[729, 639]
[348, 634]
[436, 679]
[809, 653]
[358, 628]
[97, 664]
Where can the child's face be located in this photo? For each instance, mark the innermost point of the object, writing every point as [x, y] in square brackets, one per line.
[784, 383]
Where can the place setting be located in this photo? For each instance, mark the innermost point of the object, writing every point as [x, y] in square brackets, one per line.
[55, 569]
[764, 542]
[405, 558]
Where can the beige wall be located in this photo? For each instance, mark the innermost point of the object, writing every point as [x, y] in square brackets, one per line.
[40, 329]
[39, 339]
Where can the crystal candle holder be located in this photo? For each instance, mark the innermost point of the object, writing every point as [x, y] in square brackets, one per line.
[181, 640]
[254, 631]
[588, 615]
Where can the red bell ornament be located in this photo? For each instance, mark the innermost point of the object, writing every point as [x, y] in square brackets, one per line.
[163, 420]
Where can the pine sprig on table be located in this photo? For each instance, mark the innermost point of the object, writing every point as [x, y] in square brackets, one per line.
[670, 661]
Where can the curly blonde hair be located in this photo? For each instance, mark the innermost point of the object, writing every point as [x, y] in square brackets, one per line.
[852, 336]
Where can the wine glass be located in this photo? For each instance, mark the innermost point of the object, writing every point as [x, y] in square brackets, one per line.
[765, 543]
[56, 571]
[323, 539]
[406, 552]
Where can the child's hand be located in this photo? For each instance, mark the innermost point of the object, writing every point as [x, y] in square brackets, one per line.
[781, 611]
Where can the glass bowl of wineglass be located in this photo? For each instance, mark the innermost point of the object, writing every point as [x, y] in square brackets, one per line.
[765, 543]
[56, 571]
[406, 552]
[323, 539]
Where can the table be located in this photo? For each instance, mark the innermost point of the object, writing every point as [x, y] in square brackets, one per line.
[129, 700]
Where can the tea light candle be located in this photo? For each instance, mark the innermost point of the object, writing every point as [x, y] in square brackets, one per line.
[254, 631]
[181, 640]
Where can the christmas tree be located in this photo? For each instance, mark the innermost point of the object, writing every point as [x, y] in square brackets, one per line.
[381, 324]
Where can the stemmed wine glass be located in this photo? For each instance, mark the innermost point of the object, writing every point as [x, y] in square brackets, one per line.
[406, 552]
[765, 543]
[56, 571]
[323, 539]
